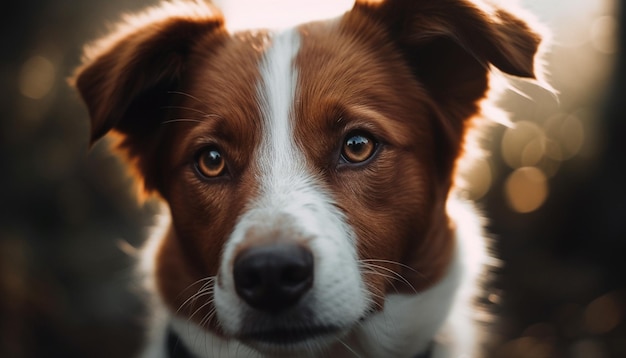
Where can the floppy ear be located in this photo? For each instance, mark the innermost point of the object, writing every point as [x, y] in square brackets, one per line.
[127, 77]
[450, 46]
[450, 42]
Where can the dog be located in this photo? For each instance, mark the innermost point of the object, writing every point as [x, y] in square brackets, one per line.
[309, 175]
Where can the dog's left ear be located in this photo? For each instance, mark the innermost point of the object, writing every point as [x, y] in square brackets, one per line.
[448, 42]
[450, 46]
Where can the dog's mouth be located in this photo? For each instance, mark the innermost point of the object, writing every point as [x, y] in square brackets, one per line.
[293, 333]
[287, 337]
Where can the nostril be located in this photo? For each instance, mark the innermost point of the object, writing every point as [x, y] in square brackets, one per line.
[273, 277]
[249, 279]
[296, 275]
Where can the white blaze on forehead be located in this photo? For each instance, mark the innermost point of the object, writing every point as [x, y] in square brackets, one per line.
[286, 185]
[277, 90]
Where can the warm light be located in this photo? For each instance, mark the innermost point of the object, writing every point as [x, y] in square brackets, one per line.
[478, 178]
[523, 144]
[569, 132]
[602, 34]
[588, 348]
[604, 313]
[525, 347]
[533, 151]
[36, 77]
[526, 189]
[278, 14]
[494, 298]
[553, 150]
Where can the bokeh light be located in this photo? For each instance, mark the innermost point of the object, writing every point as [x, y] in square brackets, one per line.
[567, 131]
[538, 149]
[588, 348]
[523, 144]
[525, 347]
[478, 178]
[604, 313]
[602, 34]
[37, 76]
[526, 189]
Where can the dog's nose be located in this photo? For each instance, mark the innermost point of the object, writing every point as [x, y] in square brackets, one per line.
[273, 277]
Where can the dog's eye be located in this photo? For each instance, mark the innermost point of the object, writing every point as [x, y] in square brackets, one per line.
[358, 147]
[210, 162]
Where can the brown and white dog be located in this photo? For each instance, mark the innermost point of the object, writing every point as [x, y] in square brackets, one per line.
[308, 173]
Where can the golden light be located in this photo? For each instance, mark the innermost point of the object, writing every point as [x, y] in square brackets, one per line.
[525, 347]
[604, 313]
[478, 178]
[523, 144]
[278, 14]
[602, 34]
[534, 151]
[589, 348]
[553, 150]
[36, 77]
[526, 189]
[540, 330]
[568, 131]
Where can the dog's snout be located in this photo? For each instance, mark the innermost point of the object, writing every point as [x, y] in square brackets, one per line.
[273, 277]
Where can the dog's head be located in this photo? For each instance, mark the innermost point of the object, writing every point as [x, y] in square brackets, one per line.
[306, 171]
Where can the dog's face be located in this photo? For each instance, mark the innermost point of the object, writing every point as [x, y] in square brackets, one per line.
[307, 170]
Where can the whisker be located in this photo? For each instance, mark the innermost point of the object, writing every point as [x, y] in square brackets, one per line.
[199, 309]
[207, 115]
[186, 108]
[394, 273]
[388, 278]
[193, 120]
[177, 120]
[186, 94]
[374, 269]
[393, 263]
[373, 303]
[208, 318]
[347, 346]
[205, 289]
[193, 299]
[208, 280]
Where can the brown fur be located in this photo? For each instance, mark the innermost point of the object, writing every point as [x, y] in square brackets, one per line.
[411, 72]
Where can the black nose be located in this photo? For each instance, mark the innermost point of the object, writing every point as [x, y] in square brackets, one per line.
[273, 277]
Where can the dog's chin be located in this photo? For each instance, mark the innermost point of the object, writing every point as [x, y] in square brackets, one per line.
[289, 340]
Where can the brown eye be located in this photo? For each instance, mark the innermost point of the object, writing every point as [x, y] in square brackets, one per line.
[210, 162]
[358, 148]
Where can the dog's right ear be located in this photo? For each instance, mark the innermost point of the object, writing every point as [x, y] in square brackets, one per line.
[126, 78]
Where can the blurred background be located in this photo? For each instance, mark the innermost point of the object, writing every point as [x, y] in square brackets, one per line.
[553, 188]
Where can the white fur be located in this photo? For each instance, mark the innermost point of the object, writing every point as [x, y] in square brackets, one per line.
[289, 196]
